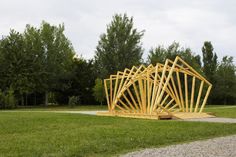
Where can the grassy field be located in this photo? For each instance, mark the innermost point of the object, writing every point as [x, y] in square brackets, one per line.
[218, 110]
[222, 111]
[60, 134]
[62, 108]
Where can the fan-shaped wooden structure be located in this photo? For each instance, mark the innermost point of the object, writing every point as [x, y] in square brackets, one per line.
[174, 89]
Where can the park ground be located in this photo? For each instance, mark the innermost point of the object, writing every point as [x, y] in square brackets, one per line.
[38, 133]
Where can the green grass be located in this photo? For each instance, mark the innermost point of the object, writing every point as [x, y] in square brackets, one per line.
[58, 134]
[62, 108]
[220, 111]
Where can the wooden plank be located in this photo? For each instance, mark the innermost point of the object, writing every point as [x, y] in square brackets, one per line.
[160, 86]
[199, 96]
[205, 99]
[192, 94]
[186, 91]
[130, 104]
[176, 93]
[149, 86]
[132, 98]
[138, 98]
[154, 88]
[202, 78]
[107, 96]
[111, 100]
[167, 81]
[127, 107]
[141, 91]
[115, 89]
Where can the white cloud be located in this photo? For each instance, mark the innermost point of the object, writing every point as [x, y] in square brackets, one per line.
[189, 22]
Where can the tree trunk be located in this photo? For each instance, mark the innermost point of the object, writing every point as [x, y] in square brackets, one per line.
[46, 99]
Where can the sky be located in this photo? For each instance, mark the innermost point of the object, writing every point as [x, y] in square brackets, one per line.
[189, 22]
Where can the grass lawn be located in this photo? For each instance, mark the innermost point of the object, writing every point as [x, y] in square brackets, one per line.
[60, 134]
[62, 108]
[220, 111]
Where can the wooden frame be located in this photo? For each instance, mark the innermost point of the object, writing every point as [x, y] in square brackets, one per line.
[174, 89]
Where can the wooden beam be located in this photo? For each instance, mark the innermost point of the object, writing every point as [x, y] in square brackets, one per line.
[199, 96]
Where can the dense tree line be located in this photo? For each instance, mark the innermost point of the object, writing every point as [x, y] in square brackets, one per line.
[40, 66]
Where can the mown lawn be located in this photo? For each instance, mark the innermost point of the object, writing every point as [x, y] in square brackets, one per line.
[222, 111]
[62, 108]
[57, 134]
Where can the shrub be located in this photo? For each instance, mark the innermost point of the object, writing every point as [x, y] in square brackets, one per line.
[73, 100]
[99, 91]
[7, 99]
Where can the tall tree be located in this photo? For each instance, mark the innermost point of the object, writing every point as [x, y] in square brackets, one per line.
[34, 50]
[209, 61]
[210, 66]
[15, 65]
[57, 54]
[225, 87]
[119, 47]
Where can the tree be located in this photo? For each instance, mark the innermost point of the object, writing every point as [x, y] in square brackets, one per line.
[225, 87]
[119, 47]
[34, 50]
[160, 54]
[36, 60]
[57, 55]
[15, 65]
[209, 61]
[98, 91]
[82, 81]
[210, 66]
[157, 55]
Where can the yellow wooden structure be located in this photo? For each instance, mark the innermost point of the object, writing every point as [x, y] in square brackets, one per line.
[173, 89]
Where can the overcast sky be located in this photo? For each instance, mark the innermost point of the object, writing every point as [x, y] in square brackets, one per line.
[190, 22]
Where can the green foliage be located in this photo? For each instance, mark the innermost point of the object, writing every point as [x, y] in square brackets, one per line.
[15, 64]
[99, 91]
[119, 47]
[36, 60]
[225, 78]
[83, 80]
[57, 55]
[7, 99]
[209, 61]
[73, 101]
[42, 60]
[160, 54]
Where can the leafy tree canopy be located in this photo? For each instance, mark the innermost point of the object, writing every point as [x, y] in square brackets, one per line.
[118, 48]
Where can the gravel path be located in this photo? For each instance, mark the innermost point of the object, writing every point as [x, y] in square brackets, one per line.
[81, 112]
[217, 147]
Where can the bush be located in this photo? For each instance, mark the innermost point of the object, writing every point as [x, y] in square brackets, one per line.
[99, 91]
[7, 99]
[73, 101]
